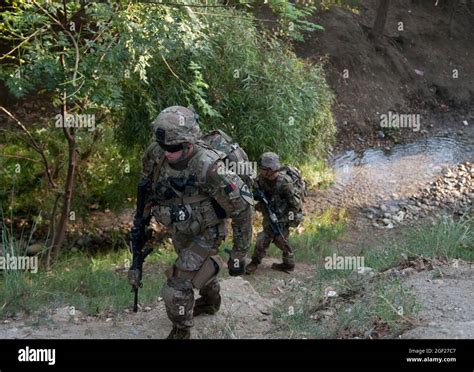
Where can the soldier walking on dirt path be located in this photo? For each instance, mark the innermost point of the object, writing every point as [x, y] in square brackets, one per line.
[189, 192]
[283, 189]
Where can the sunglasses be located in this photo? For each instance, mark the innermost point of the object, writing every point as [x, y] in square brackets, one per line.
[170, 148]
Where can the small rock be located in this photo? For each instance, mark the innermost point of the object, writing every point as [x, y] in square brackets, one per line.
[34, 249]
[360, 276]
[394, 208]
[65, 314]
[419, 72]
[399, 217]
[408, 271]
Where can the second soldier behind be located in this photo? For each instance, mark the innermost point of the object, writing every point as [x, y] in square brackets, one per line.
[284, 189]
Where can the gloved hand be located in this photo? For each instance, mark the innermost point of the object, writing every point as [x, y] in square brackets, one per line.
[133, 278]
[236, 265]
[257, 194]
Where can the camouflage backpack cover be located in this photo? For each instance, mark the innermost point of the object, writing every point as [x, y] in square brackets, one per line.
[298, 182]
[221, 141]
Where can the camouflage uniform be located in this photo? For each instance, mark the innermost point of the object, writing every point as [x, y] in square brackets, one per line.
[192, 197]
[286, 204]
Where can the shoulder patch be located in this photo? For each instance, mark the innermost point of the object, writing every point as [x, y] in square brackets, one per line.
[246, 194]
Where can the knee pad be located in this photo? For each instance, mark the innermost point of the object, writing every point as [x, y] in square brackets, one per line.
[208, 271]
[178, 296]
[176, 289]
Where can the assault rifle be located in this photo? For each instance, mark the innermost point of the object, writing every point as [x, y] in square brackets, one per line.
[139, 235]
[274, 223]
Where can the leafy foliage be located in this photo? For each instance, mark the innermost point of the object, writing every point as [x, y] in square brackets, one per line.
[125, 62]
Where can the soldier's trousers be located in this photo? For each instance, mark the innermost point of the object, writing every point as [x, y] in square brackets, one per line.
[177, 292]
[266, 237]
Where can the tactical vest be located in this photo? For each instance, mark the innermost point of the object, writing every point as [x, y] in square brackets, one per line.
[273, 191]
[181, 202]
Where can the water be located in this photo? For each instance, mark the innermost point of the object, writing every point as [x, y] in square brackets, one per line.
[375, 175]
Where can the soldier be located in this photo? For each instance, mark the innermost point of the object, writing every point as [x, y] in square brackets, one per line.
[284, 190]
[189, 193]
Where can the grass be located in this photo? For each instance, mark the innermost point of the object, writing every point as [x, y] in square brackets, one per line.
[382, 307]
[78, 281]
[94, 285]
[14, 285]
[311, 244]
[385, 306]
[448, 240]
[316, 173]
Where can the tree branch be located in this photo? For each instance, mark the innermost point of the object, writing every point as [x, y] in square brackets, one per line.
[38, 148]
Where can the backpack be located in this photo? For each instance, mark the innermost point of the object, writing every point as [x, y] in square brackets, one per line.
[221, 141]
[298, 182]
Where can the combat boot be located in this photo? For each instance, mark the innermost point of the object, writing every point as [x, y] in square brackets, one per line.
[285, 267]
[204, 306]
[252, 266]
[179, 334]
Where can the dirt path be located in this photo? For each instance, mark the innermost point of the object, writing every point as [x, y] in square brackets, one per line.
[244, 314]
[447, 302]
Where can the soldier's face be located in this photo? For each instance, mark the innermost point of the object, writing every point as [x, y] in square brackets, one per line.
[173, 156]
[268, 173]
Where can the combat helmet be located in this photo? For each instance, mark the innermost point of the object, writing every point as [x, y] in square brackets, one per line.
[176, 125]
[270, 160]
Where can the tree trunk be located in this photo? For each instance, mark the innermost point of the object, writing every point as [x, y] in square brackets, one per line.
[72, 163]
[52, 230]
[380, 19]
[71, 170]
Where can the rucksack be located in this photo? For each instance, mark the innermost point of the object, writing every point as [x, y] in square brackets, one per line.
[221, 141]
[298, 182]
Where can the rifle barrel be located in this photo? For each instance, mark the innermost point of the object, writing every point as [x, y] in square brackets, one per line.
[135, 302]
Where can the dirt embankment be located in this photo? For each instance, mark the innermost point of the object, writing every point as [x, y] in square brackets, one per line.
[423, 65]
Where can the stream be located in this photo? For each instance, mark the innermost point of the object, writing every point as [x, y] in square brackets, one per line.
[375, 175]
